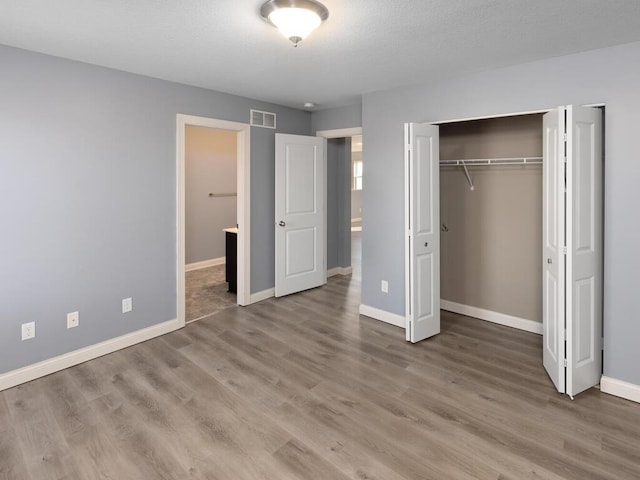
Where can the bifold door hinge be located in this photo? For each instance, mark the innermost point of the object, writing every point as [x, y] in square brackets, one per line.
[564, 137]
[564, 250]
[565, 363]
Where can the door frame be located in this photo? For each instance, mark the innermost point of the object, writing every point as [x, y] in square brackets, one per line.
[340, 133]
[243, 156]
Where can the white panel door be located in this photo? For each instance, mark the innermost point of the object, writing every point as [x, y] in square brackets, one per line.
[572, 248]
[300, 213]
[553, 241]
[584, 248]
[422, 221]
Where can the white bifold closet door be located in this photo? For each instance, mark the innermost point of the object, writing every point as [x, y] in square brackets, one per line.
[300, 213]
[572, 247]
[422, 224]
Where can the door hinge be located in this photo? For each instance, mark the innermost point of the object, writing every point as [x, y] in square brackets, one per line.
[564, 250]
[564, 363]
[564, 137]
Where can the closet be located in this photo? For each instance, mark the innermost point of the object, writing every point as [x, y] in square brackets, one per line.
[504, 222]
[491, 219]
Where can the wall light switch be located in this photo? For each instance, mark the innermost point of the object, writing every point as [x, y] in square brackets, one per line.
[384, 286]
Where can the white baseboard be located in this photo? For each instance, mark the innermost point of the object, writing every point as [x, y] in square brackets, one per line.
[263, 295]
[52, 365]
[339, 271]
[382, 315]
[619, 388]
[494, 317]
[212, 262]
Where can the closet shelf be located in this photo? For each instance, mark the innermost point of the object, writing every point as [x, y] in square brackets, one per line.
[492, 161]
[489, 161]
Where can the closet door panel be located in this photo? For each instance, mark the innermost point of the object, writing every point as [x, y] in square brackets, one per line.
[552, 247]
[422, 218]
[584, 248]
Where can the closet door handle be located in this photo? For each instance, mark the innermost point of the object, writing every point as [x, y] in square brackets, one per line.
[426, 244]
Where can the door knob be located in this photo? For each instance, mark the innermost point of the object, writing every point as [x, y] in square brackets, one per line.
[282, 224]
[549, 260]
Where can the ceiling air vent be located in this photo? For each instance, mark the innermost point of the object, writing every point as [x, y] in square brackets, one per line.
[263, 119]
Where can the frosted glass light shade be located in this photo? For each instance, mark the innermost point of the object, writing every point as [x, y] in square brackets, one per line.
[295, 23]
[295, 19]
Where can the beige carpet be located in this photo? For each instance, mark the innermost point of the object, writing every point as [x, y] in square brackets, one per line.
[206, 292]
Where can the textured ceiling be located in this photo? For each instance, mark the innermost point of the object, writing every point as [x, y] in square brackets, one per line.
[366, 45]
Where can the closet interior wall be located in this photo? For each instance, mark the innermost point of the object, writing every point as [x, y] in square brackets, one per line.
[491, 237]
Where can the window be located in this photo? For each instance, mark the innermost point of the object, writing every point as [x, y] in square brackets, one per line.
[357, 175]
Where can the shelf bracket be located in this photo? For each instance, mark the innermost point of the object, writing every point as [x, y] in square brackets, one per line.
[466, 172]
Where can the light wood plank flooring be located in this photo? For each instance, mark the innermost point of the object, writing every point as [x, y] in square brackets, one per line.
[303, 388]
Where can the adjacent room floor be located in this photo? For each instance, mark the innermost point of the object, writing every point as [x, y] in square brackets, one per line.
[207, 292]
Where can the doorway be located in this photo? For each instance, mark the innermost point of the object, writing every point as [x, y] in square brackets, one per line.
[346, 204]
[357, 170]
[210, 220]
[235, 192]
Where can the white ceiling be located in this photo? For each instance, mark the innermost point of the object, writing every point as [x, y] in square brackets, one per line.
[365, 45]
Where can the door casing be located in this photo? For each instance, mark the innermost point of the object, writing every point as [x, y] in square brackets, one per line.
[243, 132]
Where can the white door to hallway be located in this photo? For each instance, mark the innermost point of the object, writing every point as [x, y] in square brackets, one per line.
[422, 225]
[300, 213]
[572, 247]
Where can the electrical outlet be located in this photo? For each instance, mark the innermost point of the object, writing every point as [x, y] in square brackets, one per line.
[28, 330]
[73, 319]
[384, 286]
[127, 305]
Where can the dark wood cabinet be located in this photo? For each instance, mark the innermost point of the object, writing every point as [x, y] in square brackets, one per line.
[231, 270]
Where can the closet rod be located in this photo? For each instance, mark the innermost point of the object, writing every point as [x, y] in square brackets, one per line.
[492, 161]
[223, 194]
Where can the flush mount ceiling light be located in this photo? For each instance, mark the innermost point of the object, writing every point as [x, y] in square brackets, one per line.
[294, 18]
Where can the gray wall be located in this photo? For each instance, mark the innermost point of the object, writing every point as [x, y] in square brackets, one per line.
[338, 202]
[334, 118]
[87, 198]
[490, 251]
[609, 75]
[211, 166]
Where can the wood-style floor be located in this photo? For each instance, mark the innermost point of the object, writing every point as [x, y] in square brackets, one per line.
[303, 388]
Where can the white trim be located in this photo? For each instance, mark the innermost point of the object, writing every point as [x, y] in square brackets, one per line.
[212, 262]
[356, 219]
[487, 117]
[332, 272]
[55, 364]
[243, 153]
[339, 132]
[382, 315]
[501, 115]
[493, 317]
[263, 295]
[620, 388]
[356, 229]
